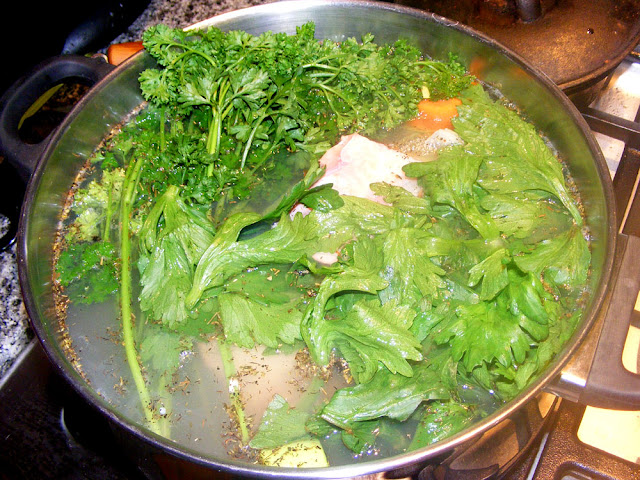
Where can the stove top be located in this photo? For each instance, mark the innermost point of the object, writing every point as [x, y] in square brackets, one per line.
[37, 438]
[44, 423]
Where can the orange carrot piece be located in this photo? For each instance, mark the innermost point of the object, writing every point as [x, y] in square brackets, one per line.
[119, 52]
[441, 108]
[436, 114]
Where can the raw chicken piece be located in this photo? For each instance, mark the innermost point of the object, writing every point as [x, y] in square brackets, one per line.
[356, 162]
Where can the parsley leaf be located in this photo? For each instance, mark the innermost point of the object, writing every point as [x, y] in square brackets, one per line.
[276, 90]
[88, 271]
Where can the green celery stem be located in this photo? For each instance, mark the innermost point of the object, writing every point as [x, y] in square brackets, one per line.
[234, 393]
[130, 186]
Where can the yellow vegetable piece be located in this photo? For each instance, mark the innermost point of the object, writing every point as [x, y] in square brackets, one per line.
[301, 454]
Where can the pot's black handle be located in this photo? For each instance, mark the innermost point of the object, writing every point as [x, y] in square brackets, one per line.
[23, 157]
[26, 91]
[609, 384]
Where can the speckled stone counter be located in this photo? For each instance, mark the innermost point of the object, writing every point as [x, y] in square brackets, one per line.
[181, 14]
[15, 333]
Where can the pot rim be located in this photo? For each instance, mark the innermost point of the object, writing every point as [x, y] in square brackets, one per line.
[376, 465]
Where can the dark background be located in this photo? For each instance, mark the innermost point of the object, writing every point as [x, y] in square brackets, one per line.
[34, 31]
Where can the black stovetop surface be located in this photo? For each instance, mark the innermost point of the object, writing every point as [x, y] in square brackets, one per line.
[48, 431]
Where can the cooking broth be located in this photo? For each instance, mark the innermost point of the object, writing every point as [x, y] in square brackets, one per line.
[195, 399]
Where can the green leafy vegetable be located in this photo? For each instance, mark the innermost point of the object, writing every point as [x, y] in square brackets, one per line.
[247, 322]
[360, 275]
[386, 395]
[96, 205]
[285, 243]
[526, 214]
[493, 273]
[450, 181]
[280, 425]
[564, 258]
[88, 270]
[515, 157]
[369, 335]
[162, 350]
[169, 255]
[441, 420]
[410, 272]
[483, 333]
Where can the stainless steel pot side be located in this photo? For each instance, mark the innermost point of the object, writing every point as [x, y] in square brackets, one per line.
[540, 100]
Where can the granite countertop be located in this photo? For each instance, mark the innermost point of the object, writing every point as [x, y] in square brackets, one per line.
[180, 14]
[15, 332]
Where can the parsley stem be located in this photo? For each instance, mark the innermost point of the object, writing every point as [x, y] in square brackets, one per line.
[163, 121]
[321, 66]
[332, 106]
[107, 221]
[249, 142]
[214, 132]
[189, 51]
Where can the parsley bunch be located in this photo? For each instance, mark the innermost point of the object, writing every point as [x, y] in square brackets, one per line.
[272, 91]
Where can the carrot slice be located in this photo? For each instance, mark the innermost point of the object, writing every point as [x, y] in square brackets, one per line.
[436, 114]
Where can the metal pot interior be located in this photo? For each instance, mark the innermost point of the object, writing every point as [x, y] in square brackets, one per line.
[112, 100]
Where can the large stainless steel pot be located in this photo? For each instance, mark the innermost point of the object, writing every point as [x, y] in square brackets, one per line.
[542, 102]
